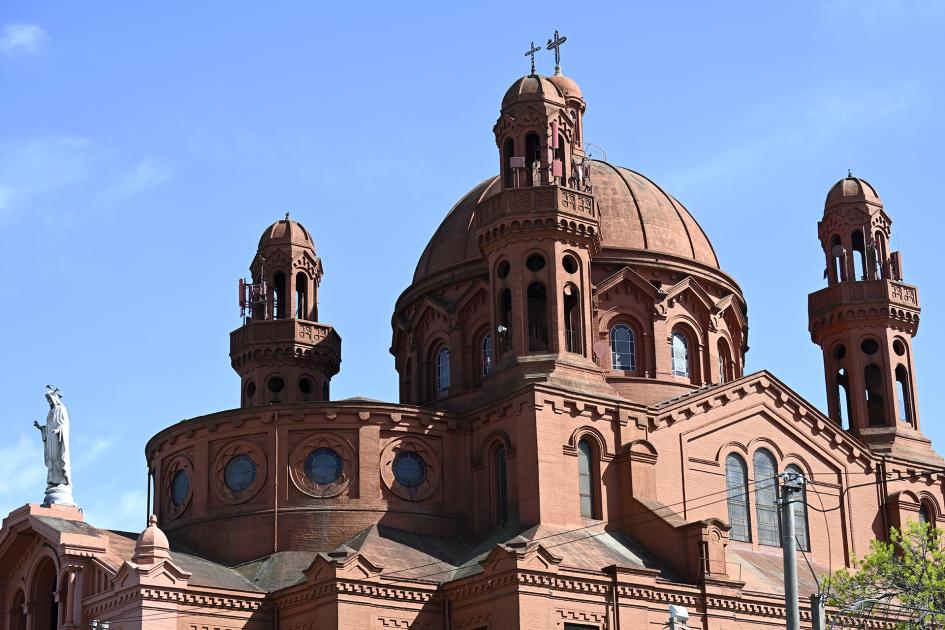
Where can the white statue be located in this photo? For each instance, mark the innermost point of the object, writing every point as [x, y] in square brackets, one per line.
[536, 173]
[56, 450]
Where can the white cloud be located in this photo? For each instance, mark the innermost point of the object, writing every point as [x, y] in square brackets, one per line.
[22, 471]
[21, 38]
[85, 453]
[147, 174]
[799, 135]
[70, 176]
[126, 512]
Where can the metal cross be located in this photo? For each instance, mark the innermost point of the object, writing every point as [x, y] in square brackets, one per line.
[531, 53]
[555, 44]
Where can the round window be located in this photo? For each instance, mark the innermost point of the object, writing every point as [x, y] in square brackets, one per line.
[180, 487]
[240, 473]
[899, 347]
[409, 469]
[275, 384]
[305, 385]
[323, 466]
[503, 270]
[840, 351]
[535, 262]
[569, 263]
[869, 346]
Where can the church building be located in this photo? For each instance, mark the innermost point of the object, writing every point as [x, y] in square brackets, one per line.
[576, 444]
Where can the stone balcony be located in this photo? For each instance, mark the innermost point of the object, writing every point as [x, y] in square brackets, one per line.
[284, 337]
[539, 207]
[865, 298]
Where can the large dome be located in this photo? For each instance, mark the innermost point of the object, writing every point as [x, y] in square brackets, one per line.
[636, 214]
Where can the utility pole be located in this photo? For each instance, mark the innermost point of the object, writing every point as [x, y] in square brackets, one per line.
[791, 484]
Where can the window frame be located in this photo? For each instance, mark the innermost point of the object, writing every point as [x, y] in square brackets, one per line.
[632, 347]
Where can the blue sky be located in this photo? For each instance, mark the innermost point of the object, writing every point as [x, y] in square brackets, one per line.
[143, 149]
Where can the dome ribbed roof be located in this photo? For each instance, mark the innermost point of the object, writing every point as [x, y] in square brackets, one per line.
[850, 190]
[636, 214]
[286, 231]
[567, 86]
[532, 88]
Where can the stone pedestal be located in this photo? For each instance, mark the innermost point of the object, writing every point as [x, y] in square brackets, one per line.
[58, 495]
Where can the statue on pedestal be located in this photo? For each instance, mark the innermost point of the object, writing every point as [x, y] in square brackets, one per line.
[55, 435]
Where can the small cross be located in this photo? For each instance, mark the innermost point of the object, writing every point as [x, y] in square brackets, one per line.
[556, 45]
[531, 53]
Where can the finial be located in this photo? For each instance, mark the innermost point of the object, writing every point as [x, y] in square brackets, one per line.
[286, 216]
[849, 172]
[152, 520]
[555, 44]
[531, 53]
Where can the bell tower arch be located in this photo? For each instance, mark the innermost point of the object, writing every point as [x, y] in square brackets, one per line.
[864, 321]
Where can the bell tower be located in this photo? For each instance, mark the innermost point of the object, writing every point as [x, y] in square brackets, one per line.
[540, 229]
[864, 321]
[281, 352]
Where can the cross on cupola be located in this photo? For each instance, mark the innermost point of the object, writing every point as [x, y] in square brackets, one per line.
[531, 53]
[555, 44]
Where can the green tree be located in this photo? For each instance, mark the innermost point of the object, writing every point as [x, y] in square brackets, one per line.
[903, 580]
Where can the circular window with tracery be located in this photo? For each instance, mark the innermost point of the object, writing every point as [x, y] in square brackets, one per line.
[323, 466]
[410, 468]
[239, 471]
[177, 488]
[180, 488]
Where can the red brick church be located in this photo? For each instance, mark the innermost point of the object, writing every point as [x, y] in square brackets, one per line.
[576, 445]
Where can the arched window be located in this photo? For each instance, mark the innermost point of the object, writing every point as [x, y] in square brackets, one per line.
[680, 355]
[537, 317]
[843, 398]
[301, 296]
[736, 485]
[505, 320]
[532, 155]
[799, 505]
[903, 396]
[623, 354]
[859, 256]
[443, 371]
[881, 255]
[836, 259]
[279, 306]
[486, 355]
[17, 616]
[43, 603]
[875, 403]
[766, 497]
[508, 152]
[573, 329]
[587, 473]
[926, 514]
[726, 371]
[500, 484]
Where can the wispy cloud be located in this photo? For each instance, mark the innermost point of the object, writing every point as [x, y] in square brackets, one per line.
[71, 174]
[86, 452]
[146, 174]
[21, 39]
[22, 470]
[800, 135]
[126, 512]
